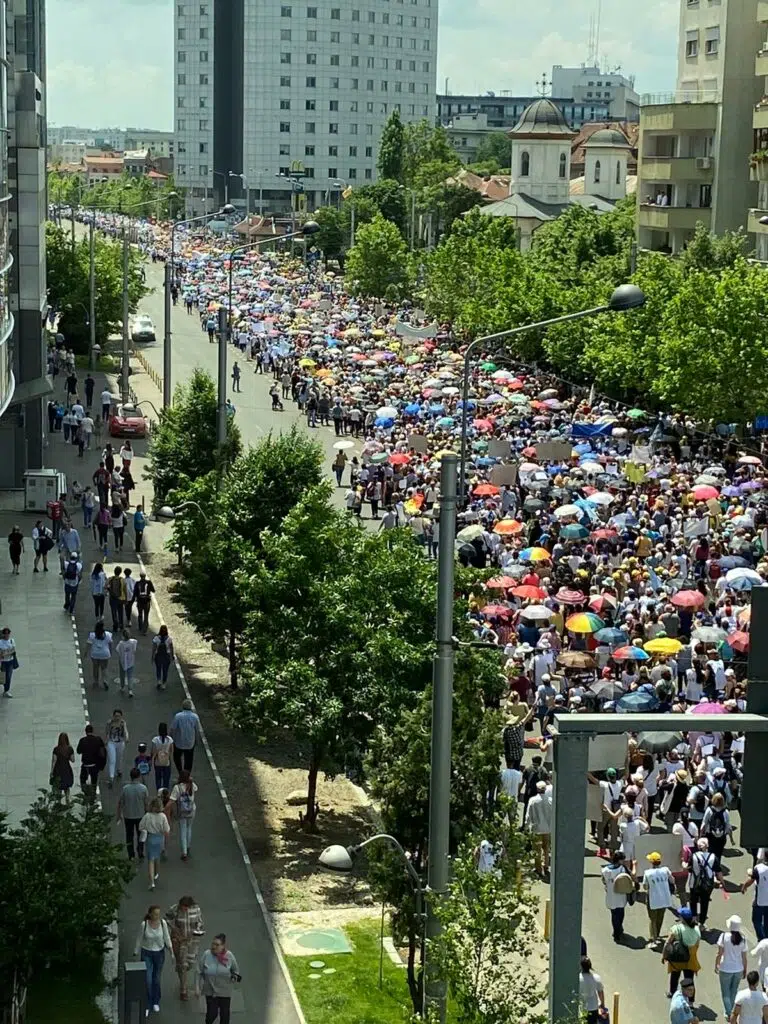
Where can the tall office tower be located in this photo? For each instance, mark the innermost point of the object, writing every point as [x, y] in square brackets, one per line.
[695, 144]
[23, 210]
[280, 102]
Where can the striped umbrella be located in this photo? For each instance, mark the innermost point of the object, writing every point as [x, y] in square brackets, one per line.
[584, 622]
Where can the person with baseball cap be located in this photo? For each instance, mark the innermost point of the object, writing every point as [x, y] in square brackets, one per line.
[659, 885]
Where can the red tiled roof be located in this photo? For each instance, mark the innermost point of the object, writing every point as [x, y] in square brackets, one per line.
[629, 129]
[491, 188]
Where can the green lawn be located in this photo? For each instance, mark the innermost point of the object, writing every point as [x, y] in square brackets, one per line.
[58, 1001]
[352, 994]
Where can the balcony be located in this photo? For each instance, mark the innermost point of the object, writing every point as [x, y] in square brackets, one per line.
[677, 169]
[673, 218]
[688, 114]
[762, 10]
[753, 222]
[761, 62]
[760, 115]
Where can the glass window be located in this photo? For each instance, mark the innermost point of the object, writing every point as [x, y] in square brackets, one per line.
[525, 164]
[284, 170]
[285, 81]
[181, 57]
[203, 147]
[204, 33]
[355, 38]
[411, 65]
[333, 104]
[333, 151]
[333, 128]
[311, 12]
[332, 172]
[285, 35]
[203, 10]
[369, 108]
[310, 104]
[385, 40]
[202, 101]
[284, 149]
[181, 34]
[180, 10]
[335, 37]
[285, 104]
[311, 58]
[369, 85]
[354, 61]
[310, 82]
[353, 129]
[353, 107]
[285, 126]
[369, 151]
[203, 124]
[309, 172]
[179, 102]
[369, 129]
[181, 79]
[312, 35]
[371, 40]
[563, 165]
[203, 80]
[384, 86]
[334, 60]
[597, 171]
[354, 83]
[334, 82]
[368, 174]
[369, 62]
[398, 86]
[371, 17]
[618, 172]
[285, 12]
[285, 58]
[181, 125]
[353, 150]
[355, 15]
[309, 151]
[398, 65]
[352, 173]
[385, 19]
[309, 127]
[425, 67]
[335, 13]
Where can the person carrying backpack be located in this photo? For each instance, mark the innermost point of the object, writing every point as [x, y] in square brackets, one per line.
[701, 879]
[72, 573]
[716, 826]
[185, 808]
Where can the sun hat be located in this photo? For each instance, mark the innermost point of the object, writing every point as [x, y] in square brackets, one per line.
[733, 924]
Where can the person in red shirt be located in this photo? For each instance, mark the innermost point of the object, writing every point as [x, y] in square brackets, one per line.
[55, 514]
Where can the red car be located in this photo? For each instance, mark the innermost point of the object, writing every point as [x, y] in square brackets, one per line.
[126, 422]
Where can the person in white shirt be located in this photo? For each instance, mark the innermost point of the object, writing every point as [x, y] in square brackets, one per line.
[126, 660]
[152, 943]
[630, 830]
[591, 994]
[750, 1005]
[616, 902]
[659, 884]
[731, 962]
[539, 821]
[106, 403]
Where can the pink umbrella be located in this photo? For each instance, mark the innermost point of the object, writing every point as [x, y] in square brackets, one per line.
[709, 708]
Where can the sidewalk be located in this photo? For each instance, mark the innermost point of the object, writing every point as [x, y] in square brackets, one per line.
[218, 874]
[47, 696]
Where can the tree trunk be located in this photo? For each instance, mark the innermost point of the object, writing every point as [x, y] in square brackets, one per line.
[232, 661]
[310, 819]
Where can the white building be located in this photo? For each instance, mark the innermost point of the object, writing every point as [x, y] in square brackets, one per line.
[294, 89]
[591, 85]
[159, 143]
[606, 154]
[695, 144]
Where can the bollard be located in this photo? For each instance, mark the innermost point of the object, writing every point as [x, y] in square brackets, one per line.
[547, 918]
[615, 1018]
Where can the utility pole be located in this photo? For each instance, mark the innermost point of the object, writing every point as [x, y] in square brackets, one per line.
[221, 409]
[352, 226]
[167, 393]
[124, 379]
[413, 220]
[438, 864]
[91, 291]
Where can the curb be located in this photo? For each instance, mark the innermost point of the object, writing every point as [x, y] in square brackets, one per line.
[153, 375]
[236, 829]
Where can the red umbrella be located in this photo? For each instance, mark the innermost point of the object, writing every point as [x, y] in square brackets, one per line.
[566, 596]
[529, 592]
[482, 424]
[399, 459]
[486, 491]
[501, 582]
[529, 452]
[739, 641]
[604, 534]
[704, 492]
[497, 609]
[603, 603]
[688, 599]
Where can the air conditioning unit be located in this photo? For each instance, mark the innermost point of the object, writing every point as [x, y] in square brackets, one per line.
[703, 163]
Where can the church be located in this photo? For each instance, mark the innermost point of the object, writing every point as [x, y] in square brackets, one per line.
[540, 181]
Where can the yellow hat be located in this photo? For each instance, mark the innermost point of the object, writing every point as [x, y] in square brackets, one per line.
[654, 858]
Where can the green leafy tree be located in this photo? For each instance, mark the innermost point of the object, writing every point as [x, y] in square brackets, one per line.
[69, 290]
[183, 445]
[496, 146]
[339, 637]
[392, 148]
[425, 144]
[386, 197]
[333, 236]
[56, 913]
[377, 264]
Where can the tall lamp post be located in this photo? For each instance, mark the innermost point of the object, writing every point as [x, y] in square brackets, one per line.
[167, 283]
[625, 297]
[225, 323]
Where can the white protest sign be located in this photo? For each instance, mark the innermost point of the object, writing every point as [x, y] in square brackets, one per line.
[498, 448]
[695, 528]
[669, 846]
[607, 752]
[419, 443]
[554, 451]
[504, 474]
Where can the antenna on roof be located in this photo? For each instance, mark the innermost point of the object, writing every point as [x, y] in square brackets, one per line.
[542, 86]
[594, 36]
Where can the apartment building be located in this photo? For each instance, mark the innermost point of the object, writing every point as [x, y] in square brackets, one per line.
[588, 85]
[503, 110]
[160, 144]
[284, 100]
[694, 148]
[759, 157]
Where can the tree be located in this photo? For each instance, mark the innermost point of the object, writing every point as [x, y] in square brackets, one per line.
[62, 880]
[392, 148]
[182, 447]
[426, 144]
[333, 236]
[377, 264]
[69, 289]
[497, 147]
[339, 638]
[386, 197]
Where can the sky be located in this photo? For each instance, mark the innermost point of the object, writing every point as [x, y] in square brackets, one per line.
[110, 62]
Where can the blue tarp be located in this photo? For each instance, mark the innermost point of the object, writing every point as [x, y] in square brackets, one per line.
[591, 429]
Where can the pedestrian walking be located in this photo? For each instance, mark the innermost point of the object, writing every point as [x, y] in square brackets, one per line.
[235, 377]
[116, 736]
[139, 526]
[130, 587]
[591, 991]
[73, 572]
[88, 504]
[680, 952]
[102, 525]
[702, 878]
[616, 896]
[42, 542]
[751, 1004]
[153, 828]
[15, 549]
[142, 593]
[89, 384]
[731, 962]
[185, 921]
[716, 826]
[93, 759]
[106, 404]
[126, 660]
[162, 752]
[152, 944]
[126, 454]
[185, 728]
[98, 584]
[117, 522]
[184, 805]
[217, 975]
[681, 1007]
[69, 544]
[759, 877]
[162, 654]
[8, 659]
[659, 886]
[131, 807]
[62, 777]
[117, 591]
[539, 822]
[100, 644]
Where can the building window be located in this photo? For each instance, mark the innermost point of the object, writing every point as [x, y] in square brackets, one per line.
[311, 58]
[597, 172]
[353, 129]
[385, 42]
[335, 37]
[333, 128]
[371, 40]
[368, 174]
[203, 80]
[202, 124]
[203, 33]
[384, 86]
[353, 107]
[425, 67]
[181, 125]
[525, 164]
[309, 151]
[285, 35]
[398, 86]
[332, 172]
[618, 172]
[335, 13]
[399, 67]
[203, 147]
[312, 35]
[411, 65]
[353, 150]
[311, 12]
[352, 173]
[399, 42]
[284, 149]
[285, 12]
[182, 147]
[334, 60]
[333, 104]
[354, 83]
[411, 87]
[310, 82]
[284, 171]
[414, 22]
[203, 56]
[285, 81]
[309, 127]
[333, 151]
[202, 102]
[370, 62]
[692, 44]
[334, 83]
[181, 79]
[181, 57]
[203, 169]
[354, 62]
[180, 102]
[369, 129]
[310, 104]
[371, 17]
[369, 151]
[712, 41]
[355, 15]
[285, 126]
[203, 10]
[369, 108]
[563, 165]
[424, 44]
[369, 84]
[355, 38]
[385, 19]
[285, 104]
[180, 10]
[309, 172]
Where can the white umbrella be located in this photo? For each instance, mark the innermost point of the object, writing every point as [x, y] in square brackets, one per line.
[707, 478]
[743, 573]
[548, 393]
[450, 391]
[715, 470]
[619, 432]
[592, 467]
[470, 533]
[341, 445]
[387, 411]
[528, 467]
[536, 612]
[565, 511]
[601, 498]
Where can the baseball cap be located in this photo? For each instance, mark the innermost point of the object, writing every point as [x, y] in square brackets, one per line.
[611, 773]
[654, 858]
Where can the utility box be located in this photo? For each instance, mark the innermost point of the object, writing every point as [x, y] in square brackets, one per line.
[42, 486]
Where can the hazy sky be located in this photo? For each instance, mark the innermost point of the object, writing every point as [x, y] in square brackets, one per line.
[110, 62]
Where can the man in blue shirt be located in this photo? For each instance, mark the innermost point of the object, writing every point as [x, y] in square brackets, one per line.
[185, 728]
[680, 1009]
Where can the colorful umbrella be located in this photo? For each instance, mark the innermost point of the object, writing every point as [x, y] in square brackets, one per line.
[566, 596]
[604, 534]
[486, 490]
[508, 527]
[500, 610]
[708, 707]
[663, 645]
[630, 653]
[584, 622]
[688, 599]
[529, 593]
[399, 459]
[704, 492]
[603, 604]
[535, 555]
[739, 641]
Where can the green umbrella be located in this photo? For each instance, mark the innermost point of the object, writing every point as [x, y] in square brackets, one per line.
[379, 457]
[636, 414]
[489, 367]
[480, 446]
[410, 360]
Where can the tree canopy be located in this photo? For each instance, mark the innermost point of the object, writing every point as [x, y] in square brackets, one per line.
[392, 148]
[377, 264]
[119, 195]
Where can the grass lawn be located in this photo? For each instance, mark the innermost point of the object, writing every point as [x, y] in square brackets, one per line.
[59, 1001]
[352, 994]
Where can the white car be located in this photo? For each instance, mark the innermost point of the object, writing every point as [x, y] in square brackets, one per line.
[143, 329]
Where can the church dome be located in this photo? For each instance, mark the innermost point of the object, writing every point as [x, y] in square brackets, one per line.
[608, 137]
[542, 119]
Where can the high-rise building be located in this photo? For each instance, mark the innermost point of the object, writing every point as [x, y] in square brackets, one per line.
[759, 157]
[695, 144]
[23, 211]
[278, 102]
[591, 85]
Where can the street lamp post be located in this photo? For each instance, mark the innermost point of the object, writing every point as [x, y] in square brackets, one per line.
[625, 297]
[167, 283]
[91, 292]
[226, 175]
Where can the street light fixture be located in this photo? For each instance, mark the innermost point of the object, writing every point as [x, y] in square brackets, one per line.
[167, 513]
[168, 281]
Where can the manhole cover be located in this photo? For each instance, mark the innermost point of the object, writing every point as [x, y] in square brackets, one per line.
[317, 964]
[316, 941]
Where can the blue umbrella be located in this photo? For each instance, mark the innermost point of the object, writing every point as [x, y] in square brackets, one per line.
[584, 448]
[470, 405]
[733, 562]
[436, 410]
[484, 461]
[574, 531]
[743, 583]
[637, 702]
[412, 409]
[384, 421]
[445, 421]
[611, 635]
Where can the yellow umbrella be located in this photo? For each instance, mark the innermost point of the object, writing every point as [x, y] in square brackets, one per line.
[663, 645]
[378, 333]
[444, 451]
[306, 362]
[352, 332]
[325, 372]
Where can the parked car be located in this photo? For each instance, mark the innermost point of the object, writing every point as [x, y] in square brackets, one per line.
[126, 421]
[143, 330]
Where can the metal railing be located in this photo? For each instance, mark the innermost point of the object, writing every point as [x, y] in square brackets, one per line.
[655, 99]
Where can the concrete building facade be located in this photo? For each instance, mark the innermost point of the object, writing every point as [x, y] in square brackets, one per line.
[503, 110]
[286, 100]
[590, 85]
[693, 159]
[759, 156]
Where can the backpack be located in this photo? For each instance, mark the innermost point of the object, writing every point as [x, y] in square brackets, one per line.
[143, 767]
[675, 950]
[700, 803]
[717, 827]
[70, 572]
[186, 804]
[162, 757]
[704, 878]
